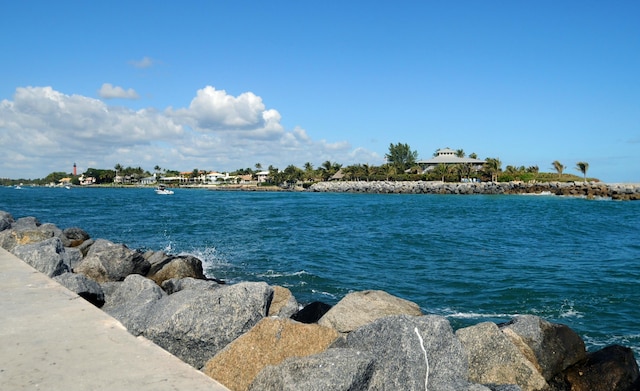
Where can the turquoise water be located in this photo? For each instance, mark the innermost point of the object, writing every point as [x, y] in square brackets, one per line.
[469, 258]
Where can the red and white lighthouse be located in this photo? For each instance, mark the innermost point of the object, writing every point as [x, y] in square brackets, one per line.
[74, 170]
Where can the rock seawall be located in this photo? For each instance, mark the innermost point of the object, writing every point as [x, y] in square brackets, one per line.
[575, 189]
[247, 337]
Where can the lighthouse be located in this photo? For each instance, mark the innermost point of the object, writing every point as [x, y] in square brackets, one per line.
[75, 173]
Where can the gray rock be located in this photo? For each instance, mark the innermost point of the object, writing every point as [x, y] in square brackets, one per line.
[83, 286]
[334, 369]
[612, 368]
[494, 359]
[73, 256]
[555, 346]
[25, 223]
[107, 261]
[84, 246]
[503, 387]
[46, 256]
[359, 308]
[27, 232]
[133, 302]
[194, 325]
[176, 267]
[400, 359]
[76, 236]
[54, 232]
[174, 285]
[5, 220]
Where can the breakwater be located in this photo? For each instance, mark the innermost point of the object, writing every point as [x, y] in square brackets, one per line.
[574, 189]
[255, 336]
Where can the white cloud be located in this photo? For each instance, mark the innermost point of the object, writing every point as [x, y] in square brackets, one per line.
[146, 62]
[213, 109]
[43, 130]
[108, 91]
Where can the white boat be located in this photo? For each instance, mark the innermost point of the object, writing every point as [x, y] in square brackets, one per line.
[162, 189]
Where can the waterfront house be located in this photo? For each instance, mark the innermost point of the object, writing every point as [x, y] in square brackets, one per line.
[447, 156]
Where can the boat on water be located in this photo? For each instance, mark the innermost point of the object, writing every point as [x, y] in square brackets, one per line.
[162, 189]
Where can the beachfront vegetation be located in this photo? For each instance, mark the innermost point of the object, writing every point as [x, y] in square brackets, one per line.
[401, 165]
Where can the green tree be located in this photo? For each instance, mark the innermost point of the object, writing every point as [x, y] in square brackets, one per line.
[473, 155]
[463, 170]
[401, 156]
[460, 153]
[443, 171]
[559, 167]
[258, 166]
[492, 167]
[583, 167]
[328, 169]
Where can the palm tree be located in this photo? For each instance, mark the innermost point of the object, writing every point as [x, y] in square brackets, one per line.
[460, 153]
[492, 167]
[258, 166]
[443, 170]
[559, 167]
[463, 170]
[583, 167]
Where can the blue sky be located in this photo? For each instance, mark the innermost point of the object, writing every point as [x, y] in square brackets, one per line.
[222, 85]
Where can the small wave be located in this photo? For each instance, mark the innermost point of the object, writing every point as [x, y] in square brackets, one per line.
[273, 274]
[323, 293]
[542, 193]
[209, 256]
[567, 310]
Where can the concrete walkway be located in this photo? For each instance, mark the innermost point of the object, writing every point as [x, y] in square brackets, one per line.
[51, 339]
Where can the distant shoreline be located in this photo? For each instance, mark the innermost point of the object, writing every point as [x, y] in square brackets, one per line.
[590, 190]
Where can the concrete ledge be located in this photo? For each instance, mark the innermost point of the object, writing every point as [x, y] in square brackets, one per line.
[52, 339]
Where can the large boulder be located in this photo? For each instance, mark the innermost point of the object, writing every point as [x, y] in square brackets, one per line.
[494, 359]
[176, 267]
[83, 286]
[25, 223]
[6, 219]
[409, 350]
[334, 369]
[195, 325]
[108, 261]
[268, 343]
[46, 256]
[25, 233]
[76, 236]
[132, 301]
[174, 285]
[359, 308]
[284, 304]
[612, 368]
[555, 346]
[73, 256]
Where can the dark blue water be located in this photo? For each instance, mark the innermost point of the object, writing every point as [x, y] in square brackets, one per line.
[470, 258]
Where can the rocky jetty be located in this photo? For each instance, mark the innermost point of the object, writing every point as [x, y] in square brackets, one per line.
[574, 189]
[250, 336]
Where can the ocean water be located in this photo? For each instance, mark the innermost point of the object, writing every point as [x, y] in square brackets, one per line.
[469, 258]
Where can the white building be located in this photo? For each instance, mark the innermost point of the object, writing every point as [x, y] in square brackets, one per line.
[448, 156]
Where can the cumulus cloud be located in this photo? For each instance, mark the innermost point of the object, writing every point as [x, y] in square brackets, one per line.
[44, 130]
[108, 91]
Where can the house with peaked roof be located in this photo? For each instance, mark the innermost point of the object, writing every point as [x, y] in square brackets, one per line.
[448, 156]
